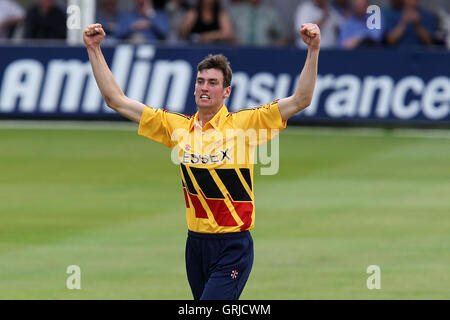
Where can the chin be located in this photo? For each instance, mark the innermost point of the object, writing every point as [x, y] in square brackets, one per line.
[204, 104]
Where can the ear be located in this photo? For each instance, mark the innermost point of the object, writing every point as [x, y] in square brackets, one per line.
[227, 92]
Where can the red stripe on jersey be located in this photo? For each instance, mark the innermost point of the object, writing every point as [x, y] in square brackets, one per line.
[177, 113]
[186, 198]
[244, 211]
[199, 210]
[221, 213]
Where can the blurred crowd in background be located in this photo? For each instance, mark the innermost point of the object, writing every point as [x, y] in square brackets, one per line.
[404, 23]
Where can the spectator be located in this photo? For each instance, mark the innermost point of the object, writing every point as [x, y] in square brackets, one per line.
[176, 9]
[11, 14]
[354, 31]
[322, 14]
[144, 23]
[446, 27]
[258, 24]
[442, 33]
[45, 20]
[208, 21]
[408, 25]
[343, 7]
[107, 16]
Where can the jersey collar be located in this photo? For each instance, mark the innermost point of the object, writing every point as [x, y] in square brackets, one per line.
[216, 122]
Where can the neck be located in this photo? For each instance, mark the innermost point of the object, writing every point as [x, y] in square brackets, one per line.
[206, 114]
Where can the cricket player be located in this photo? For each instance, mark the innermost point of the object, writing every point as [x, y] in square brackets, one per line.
[218, 189]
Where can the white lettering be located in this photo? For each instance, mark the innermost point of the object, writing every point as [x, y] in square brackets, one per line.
[371, 85]
[436, 98]
[180, 72]
[374, 20]
[73, 281]
[274, 158]
[282, 86]
[75, 72]
[140, 72]
[399, 108]
[374, 281]
[343, 102]
[68, 86]
[239, 91]
[261, 88]
[22, 80]
[73, 17]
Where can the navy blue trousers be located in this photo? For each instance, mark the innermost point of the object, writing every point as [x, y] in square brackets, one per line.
[218, 265]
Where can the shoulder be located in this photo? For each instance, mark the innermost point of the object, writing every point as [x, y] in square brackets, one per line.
[171, 120]
[249, 111]
[177, 115]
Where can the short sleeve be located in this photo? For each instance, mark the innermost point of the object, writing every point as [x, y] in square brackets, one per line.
[159, 124]
[265, 120]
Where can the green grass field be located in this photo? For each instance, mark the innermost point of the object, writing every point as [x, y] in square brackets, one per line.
[111, 202]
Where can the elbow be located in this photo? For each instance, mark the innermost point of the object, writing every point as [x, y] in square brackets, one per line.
[109, 102]
[306, 103]
[112, 102]
[303, 102]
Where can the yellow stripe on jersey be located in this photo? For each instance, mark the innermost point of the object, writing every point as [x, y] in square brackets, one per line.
[216, 161]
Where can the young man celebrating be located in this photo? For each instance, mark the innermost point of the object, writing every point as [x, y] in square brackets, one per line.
[216, 172]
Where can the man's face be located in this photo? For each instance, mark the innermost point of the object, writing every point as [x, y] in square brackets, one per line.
[209, 91]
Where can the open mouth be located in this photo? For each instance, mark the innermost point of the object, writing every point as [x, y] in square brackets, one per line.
[205, 97]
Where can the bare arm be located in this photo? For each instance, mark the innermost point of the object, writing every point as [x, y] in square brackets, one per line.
[305, 88]
[188, 23]
[423, 34]
[394, 36]
[111, 92]
[409, 17]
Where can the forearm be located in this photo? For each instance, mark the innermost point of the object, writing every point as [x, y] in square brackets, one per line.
[303, 94]
[423, 34]
[307, 80]
[10, 21]
[108, 86]
[396, 33]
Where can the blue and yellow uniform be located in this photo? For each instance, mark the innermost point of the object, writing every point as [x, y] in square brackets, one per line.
[216, 165]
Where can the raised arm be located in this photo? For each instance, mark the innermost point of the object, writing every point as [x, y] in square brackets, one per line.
[303, 94]
[93, 35]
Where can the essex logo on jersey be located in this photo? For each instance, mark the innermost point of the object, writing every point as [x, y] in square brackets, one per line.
[217, 157]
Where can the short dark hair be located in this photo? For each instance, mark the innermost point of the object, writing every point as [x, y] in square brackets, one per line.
[220, 62]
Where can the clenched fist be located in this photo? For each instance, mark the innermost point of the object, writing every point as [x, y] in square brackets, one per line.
[310, 34]
[93, 35]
